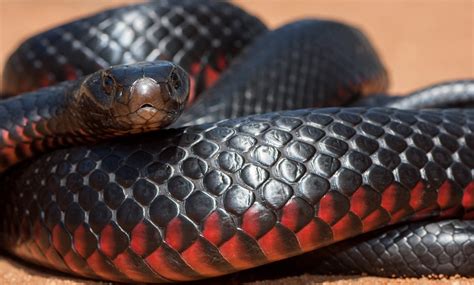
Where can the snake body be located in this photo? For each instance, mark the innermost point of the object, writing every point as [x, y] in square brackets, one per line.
[216, 198]
[109, 103]
[459, 93]
[201, 37]
[312, 63]
[220, 195]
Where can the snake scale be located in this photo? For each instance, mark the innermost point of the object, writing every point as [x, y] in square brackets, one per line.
[263, 165]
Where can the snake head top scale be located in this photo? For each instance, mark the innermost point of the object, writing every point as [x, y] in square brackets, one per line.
[133, 98]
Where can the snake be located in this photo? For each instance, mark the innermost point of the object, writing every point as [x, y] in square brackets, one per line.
[287, 152]
[112, 102]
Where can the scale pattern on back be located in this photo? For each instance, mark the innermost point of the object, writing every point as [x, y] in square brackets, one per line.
[207, 200]
[200, 37]
[309, 63]
[408, 250]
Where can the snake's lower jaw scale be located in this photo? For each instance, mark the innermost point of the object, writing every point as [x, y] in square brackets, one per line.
[147, 112]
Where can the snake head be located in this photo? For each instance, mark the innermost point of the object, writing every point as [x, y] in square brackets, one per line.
[134, 98]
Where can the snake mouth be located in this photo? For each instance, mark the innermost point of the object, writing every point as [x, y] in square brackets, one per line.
[147, 111]
[147, 106]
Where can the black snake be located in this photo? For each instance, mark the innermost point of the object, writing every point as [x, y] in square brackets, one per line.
[245, 176]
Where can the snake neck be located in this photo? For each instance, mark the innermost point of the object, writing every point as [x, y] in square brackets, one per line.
[34, 122]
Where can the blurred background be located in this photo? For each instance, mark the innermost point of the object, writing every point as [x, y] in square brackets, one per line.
[420, 41]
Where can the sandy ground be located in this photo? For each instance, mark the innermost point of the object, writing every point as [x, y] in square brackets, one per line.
[420, 41]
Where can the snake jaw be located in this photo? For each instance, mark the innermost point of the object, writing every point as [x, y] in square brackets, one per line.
[147, 111]
[149, 102]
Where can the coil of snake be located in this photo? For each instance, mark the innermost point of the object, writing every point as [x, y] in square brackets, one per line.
[245, 176]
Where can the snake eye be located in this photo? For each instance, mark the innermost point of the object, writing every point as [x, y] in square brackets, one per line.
[175, 80]
[108, 83]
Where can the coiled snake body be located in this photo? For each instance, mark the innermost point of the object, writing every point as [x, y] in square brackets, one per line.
[211, 197]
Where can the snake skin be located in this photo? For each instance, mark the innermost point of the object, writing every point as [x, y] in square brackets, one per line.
[109, 103]
[459, 93]
[212, 199]
[453, 93]
[311, 63]
[36, 115]
[427, 248]
[335, 69]
[201, 37]
[408, 250]
[416, 249]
